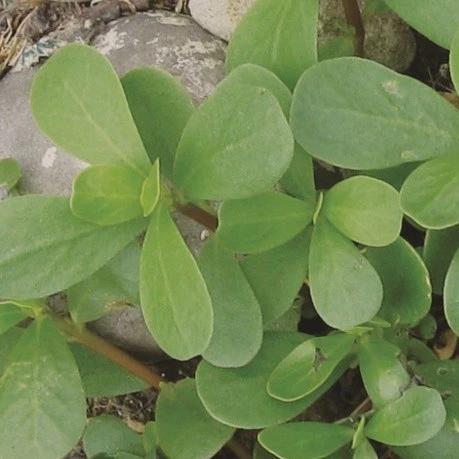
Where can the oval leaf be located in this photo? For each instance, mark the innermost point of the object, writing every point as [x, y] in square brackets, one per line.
[451, 295]
[42, 404]
[305, 440]
[253, 408]
[151, 190]
[10, 315]
[238, 325]
[277, 275]
[407, 291]
[51, 249]
[345, 288]
[78, 101]
[270, 35]
[10, 173]
[417, 416]
[383, 375]
[236, 145]
[107, 195]
[184, 427]
[365, 210]
[174, 298]
[263, 222]
[403, 119]
[365, 451]
[430, 195]
[308, 366]
[442, 375]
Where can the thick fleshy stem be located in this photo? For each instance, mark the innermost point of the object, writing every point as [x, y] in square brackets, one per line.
[199, 215]
[354, 19]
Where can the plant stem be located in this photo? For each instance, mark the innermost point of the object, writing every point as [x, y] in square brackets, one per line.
[363, 408]
[354, 19]
[199, 215]
[94, 342]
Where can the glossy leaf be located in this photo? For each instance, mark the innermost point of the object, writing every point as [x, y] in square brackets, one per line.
[10, 315]
[236, 145]
[238, 325]
[439, 249]
[269, 35]
[260, 77]
[277, 275]
[407, 290]
[365, 451]
[365, 210]
[107, 195]
[400, 119]
[115, 283]
[253, 408]
[451, 295]
[345, 288]
[10, 173]
[151, 190]
[78, 101]
[305, 440]
[102, 377]
[110, 435]
[430, 194]
[417, 416]
[50, 249]
[442, 375]
[438, 21]
[39, 390]
[175, 301]
[308, 366]
[161, 107]
[298, 181]
[262, 222]
[184, 427]
[383, 374]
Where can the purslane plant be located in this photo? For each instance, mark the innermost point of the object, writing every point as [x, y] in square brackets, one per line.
[256, 152]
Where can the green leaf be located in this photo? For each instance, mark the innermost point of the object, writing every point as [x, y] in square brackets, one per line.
[365, 451]
[454, 54]
[10, 315]
[437, 20]
[174, 297]
[253, 408]
[442, 375]
[114, 284]
[305, 440]
[238, 325]
[277, 275]
[394, 176]
[308, 366]
[42, 404]
[151, 190]
[161, 107]
[107, 195]
[383, 374]
[50, 249]
[337, 47]
[407, 290]
[430, 194]
[439, 249]
[298, 181]
[345, 288]
[365, 210]
[7, 342]
[110, 435]
[451, 295]
[237, 144]
[150, 440]
[10, 173]
[103, 378]
[78, 101]
[262, 222]
[185, 429]
[417, 416]
[260, 77]
[400, 119]
[281, 36]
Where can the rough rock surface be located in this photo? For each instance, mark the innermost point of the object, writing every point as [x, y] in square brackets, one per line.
[389, 40]
[175, 43]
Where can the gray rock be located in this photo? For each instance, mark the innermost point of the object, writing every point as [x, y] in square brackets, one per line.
[389, 39]
[174, 43]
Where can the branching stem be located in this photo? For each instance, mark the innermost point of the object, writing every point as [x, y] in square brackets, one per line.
[354, 19]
